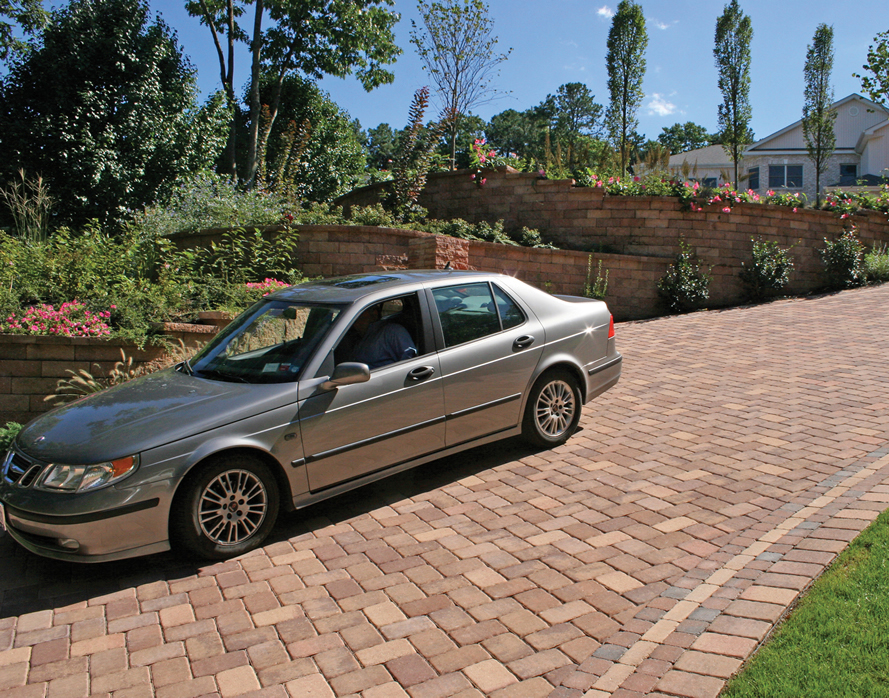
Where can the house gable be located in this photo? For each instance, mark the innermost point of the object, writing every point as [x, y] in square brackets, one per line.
[855, 115]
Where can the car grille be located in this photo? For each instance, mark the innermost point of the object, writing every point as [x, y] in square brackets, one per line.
[19, 470]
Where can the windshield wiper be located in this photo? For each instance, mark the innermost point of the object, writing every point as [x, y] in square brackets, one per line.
[221, 375]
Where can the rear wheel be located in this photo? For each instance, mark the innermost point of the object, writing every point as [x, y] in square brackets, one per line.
[227, 508]
[553, 409]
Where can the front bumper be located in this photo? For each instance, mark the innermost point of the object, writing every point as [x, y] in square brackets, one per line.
[108, 524]
[105, 535]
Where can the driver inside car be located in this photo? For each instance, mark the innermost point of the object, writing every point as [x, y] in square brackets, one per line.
[377, 342]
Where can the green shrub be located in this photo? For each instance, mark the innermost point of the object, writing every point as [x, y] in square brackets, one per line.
[767, 272]
[207, 200]
[843, 260]
[598, 287]
[685, 285]
[8, 434]
[876, 265]
[141, 279]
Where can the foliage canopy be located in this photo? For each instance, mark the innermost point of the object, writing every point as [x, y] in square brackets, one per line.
[731, 50]
[818, 118]
[625, 60]
[458, 50]
[104, 109]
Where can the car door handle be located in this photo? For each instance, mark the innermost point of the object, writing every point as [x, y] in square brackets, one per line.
[526, 340]
[420, 373]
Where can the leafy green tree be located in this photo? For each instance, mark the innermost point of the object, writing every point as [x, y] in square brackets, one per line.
[313, 152]
[625, 60]
[457, 49]
[818, 118]
[104, 109]
[576, 114]
[382, 144]
[512, 131]
[469, 129]
[308, 37]
[28, 15]
[680, 138]
[876, 85]
[734, 32]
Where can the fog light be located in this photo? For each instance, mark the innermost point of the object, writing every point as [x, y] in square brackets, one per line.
[68, 544]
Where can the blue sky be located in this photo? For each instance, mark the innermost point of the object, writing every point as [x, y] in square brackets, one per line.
[560, 41]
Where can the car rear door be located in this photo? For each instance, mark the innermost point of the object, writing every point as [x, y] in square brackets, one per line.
[489, 347]
[394, 417]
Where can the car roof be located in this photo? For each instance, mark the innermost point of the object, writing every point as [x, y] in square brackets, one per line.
[348, 289]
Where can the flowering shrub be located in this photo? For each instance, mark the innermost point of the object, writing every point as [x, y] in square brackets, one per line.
[846, 203]
[72, 319]
[268, 286]
[685, 284]
[767, 271]
[686, 191]
[843, 260]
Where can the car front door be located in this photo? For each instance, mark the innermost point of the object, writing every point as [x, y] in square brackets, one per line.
[491, 346]
[394, 417]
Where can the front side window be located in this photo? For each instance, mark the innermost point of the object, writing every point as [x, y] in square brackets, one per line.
[384, 333]
[785, 176]
[269, 343]
[470, 311]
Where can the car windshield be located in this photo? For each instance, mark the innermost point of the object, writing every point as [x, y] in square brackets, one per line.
[269, 343]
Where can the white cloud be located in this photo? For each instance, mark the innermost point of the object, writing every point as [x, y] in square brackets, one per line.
[660, 25]
[659, 106]
[605, 12]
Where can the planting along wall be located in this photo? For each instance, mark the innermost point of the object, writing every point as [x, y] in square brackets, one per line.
[641, 233]
[586, 219]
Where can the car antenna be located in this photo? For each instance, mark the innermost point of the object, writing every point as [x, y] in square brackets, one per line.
[448, 265]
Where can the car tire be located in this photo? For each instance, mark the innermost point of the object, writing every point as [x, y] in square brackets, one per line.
[553, 409]
[227, 508]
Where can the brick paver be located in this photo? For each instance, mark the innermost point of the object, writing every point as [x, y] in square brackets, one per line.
[650, 554]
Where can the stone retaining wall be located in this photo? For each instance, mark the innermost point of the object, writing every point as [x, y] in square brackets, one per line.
[584, 218]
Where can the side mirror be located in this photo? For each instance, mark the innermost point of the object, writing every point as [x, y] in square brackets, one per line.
[346, 374]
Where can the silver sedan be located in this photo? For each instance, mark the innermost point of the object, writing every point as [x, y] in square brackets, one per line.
[315, 390]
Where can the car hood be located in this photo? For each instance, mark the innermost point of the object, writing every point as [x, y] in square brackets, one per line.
[145, 413]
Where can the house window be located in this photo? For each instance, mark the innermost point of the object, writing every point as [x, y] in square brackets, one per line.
[709, 182]
[848, 174]
[785, 176]
[753, 178]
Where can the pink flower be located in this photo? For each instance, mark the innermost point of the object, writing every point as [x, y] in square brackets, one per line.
[485, 179]
[726, 210]
[472, 176]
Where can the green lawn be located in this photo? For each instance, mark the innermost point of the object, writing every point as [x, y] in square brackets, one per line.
[836, 641]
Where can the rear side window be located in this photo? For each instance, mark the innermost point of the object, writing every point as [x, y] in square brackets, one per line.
[510, 314]
[470, 311]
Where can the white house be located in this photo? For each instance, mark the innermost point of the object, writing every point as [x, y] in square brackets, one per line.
[780, 162]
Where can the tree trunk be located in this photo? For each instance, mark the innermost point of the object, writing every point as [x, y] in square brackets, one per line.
[255, 106]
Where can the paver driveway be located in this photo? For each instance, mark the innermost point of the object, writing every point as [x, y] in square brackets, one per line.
[649, 555]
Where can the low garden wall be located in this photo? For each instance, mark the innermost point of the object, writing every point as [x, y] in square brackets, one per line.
[641, 233]
[31, 366]
[584, 218]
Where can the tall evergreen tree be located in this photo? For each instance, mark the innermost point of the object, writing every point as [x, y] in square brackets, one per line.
[732, 52]
[818, 118]
[625, 60]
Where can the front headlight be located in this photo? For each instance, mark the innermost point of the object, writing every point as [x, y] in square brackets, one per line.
[82, 478]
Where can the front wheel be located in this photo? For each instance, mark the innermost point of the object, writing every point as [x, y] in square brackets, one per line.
[553, 409]
[227, 508]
